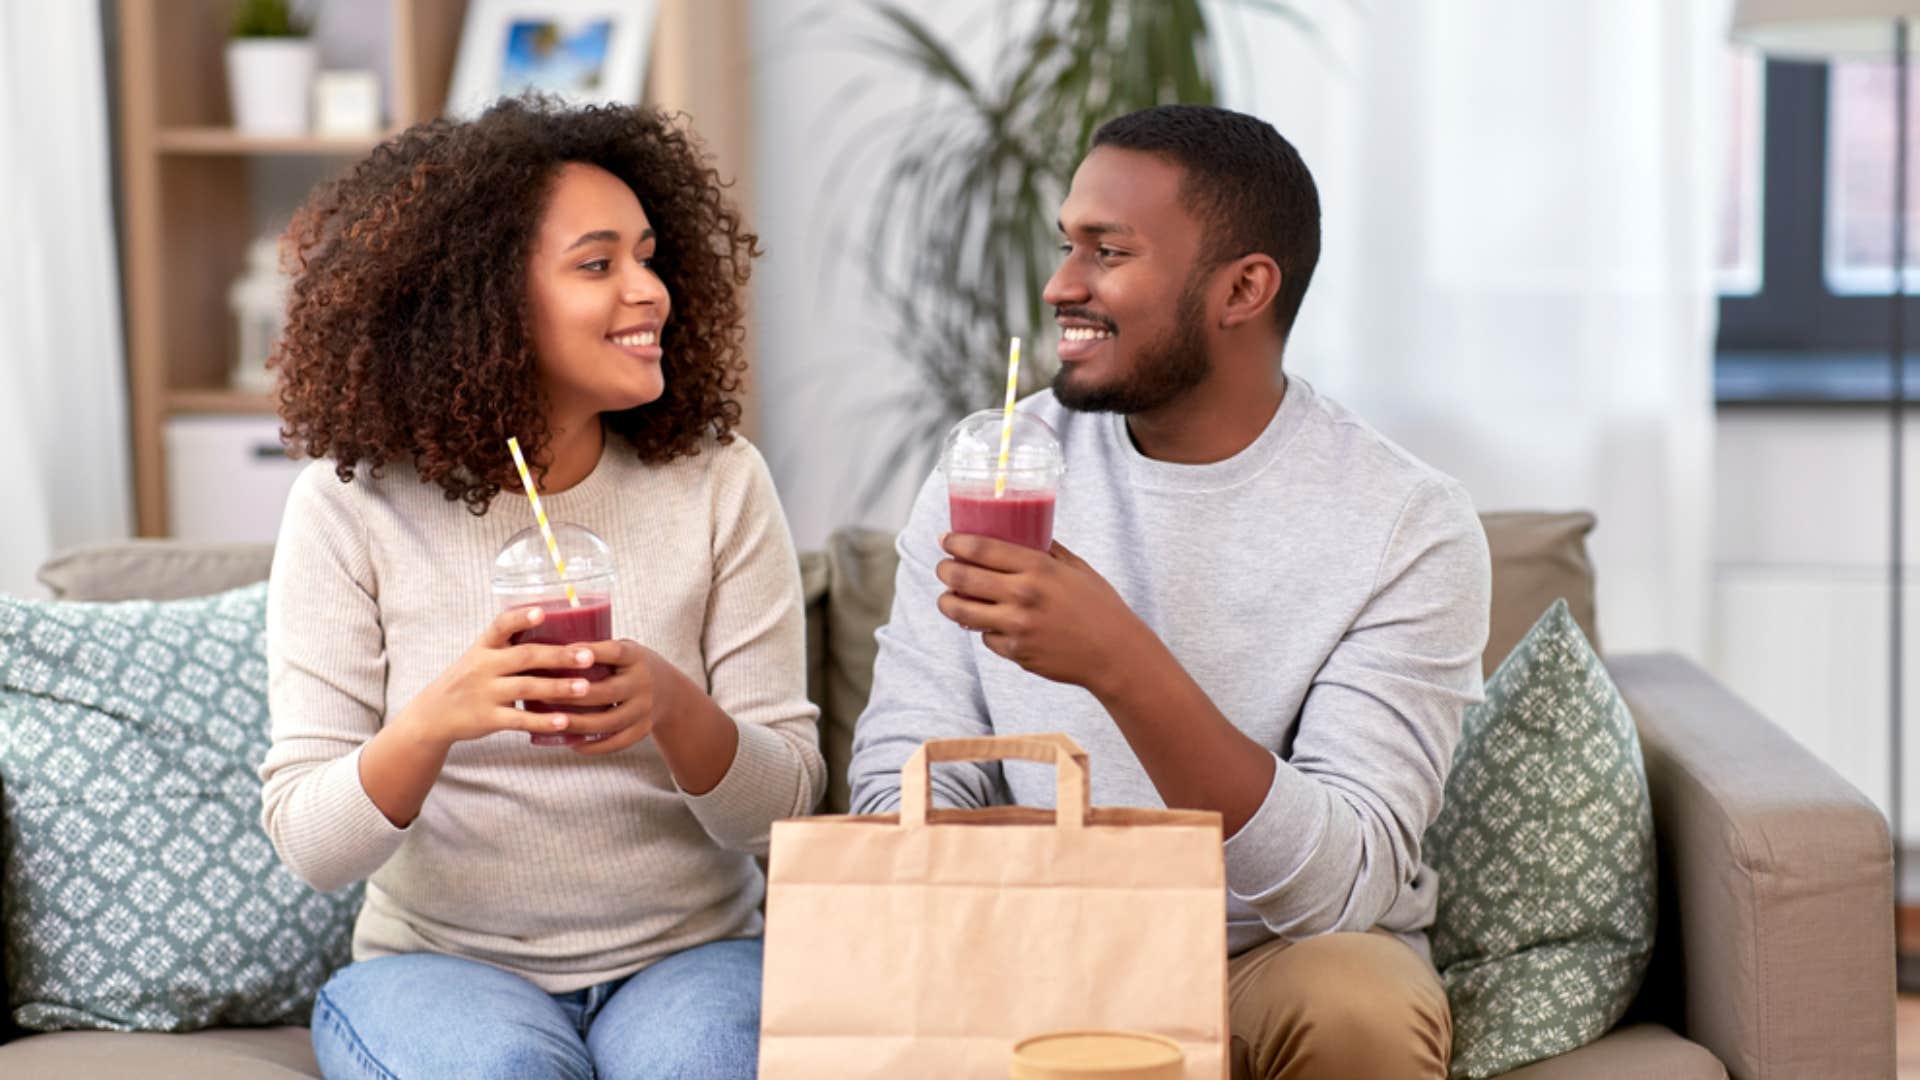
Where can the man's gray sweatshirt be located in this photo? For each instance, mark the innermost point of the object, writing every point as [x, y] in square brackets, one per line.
[1326, 589]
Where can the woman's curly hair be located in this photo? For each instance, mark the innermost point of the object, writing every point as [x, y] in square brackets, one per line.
[407, 333]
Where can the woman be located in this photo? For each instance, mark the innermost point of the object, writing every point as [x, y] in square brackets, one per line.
[569, 277]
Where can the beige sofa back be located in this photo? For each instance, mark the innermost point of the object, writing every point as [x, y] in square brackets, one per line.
[1537, 558]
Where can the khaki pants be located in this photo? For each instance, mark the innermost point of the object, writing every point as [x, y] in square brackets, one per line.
[1336, 1006]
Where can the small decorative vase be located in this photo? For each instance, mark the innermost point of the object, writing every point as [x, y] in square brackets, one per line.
[269, 81]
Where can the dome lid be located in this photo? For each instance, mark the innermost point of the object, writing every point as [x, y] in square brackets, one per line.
[525, 562]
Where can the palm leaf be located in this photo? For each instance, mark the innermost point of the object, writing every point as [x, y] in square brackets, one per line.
[923, 49]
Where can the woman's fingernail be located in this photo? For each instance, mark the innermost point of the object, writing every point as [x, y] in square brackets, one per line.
[583, 657]
[533, 615]
[559, 722]
[579, 687]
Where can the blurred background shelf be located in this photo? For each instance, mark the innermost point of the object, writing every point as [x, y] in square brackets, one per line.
[219, 400]
[226, 141]
[195, 192]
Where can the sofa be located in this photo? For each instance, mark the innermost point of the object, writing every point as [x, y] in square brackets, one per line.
[1774, 956]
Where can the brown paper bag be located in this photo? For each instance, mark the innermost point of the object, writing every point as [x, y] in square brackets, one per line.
[927, 943]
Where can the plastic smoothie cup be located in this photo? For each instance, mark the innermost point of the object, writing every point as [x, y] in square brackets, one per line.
[524, 576]
[1015, 504]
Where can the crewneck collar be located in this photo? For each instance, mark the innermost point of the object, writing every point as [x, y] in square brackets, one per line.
[1145, 472]
[592, 486]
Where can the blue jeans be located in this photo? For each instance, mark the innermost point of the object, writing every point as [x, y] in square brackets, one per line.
[693, 1016]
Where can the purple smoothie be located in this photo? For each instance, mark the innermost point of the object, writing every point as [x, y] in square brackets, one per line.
[565, 625]
[1024, 517]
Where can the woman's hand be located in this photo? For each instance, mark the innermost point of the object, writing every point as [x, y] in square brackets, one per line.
[475, 696]
[640, 693]
[649, 696]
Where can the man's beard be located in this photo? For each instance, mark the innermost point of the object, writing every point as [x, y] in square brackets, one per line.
[1162, 372]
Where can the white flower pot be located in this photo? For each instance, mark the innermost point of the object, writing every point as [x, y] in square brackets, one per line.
[269, 81]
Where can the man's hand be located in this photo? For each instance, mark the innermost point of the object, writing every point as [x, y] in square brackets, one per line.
[1047, 611]
[1053, 615]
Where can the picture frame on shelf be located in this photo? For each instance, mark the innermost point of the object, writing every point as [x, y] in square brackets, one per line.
[580, 51]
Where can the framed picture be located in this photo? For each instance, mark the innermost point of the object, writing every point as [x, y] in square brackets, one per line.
[582, 51]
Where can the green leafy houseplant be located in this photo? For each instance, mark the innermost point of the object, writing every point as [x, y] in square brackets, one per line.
[961, 237]
[267, 19]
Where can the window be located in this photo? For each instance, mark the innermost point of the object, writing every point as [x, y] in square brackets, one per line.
[1805, 238]
[1860, 180]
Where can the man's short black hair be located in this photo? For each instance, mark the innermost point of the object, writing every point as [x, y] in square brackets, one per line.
[1244, 181]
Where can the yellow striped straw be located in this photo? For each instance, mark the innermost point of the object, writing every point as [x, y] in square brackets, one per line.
[540, 515]
[1006, 421]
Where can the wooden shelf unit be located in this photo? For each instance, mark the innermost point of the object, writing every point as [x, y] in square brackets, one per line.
[227, 142]
[187, 207]
[219, 400]
[185, 179]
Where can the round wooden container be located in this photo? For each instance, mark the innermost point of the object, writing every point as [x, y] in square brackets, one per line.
[1097, 1055]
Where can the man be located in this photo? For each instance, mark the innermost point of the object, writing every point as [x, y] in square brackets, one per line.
[1268, 610]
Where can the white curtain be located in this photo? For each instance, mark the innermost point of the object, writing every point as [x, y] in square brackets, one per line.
[63, 437]
[1517, 281]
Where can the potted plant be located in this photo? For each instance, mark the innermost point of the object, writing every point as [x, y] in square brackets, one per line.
[270, 65]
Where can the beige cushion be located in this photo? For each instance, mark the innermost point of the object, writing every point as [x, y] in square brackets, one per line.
[1640, 1052]
[155, 570]
[860, 599]
[282, 1053]
[813, 592]
[1538, 558]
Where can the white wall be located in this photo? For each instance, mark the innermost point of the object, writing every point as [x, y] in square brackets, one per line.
[824, 376]
[1800, 595]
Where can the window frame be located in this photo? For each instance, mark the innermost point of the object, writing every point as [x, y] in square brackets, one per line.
[1745, 279]
[1844, 280]
[1795, 340]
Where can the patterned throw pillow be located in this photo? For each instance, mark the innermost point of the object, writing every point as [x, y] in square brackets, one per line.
[139, 889]
[1544, 852]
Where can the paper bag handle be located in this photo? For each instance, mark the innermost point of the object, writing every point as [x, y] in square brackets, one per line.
[1066, 757]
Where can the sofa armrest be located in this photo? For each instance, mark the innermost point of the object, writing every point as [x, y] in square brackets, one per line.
[1779, 875]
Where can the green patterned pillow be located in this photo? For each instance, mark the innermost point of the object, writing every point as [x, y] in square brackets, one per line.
[1544, 852]
[139, 890]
